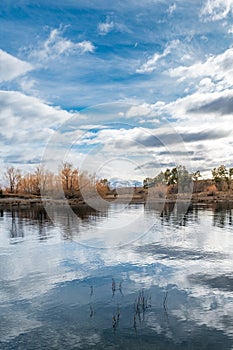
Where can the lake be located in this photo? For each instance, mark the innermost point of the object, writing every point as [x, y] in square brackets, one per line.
[124, 277]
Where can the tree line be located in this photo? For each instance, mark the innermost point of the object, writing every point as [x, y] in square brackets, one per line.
[221, 177]
[42, 181]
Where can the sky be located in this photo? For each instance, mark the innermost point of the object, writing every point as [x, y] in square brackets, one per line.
[123, 89]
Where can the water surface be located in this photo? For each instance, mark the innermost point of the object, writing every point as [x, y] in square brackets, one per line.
[126, 277]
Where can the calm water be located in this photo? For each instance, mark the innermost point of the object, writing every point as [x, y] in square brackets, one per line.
[127, 277]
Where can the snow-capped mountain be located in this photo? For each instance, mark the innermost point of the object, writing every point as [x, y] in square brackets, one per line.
[116, 183]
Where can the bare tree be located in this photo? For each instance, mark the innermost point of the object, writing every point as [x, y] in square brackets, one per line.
[40, 177]
[13, 176]
[66, 175]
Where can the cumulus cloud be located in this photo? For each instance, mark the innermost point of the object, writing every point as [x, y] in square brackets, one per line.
[12, 67]
[218, 68]
[152, 150]
[56, 45]
[186, 138]
[212, 82]
[151, 64]
[222, 105]
[202, 104]
[26, 123]
[206, 135]
[138, 111]
[215, 10]
[29, 109]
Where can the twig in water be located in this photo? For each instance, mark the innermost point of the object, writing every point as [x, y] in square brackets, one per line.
[149, 303]
[116, 319]
[118, 314]
[113, 286]
[114, 323]
[120, 287]
[92, 311]
[165, 300]
[135, 322]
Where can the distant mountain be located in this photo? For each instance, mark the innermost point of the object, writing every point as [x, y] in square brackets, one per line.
[116, 183]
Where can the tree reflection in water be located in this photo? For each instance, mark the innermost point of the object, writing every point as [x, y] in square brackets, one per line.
[222, 214]
[22, 219]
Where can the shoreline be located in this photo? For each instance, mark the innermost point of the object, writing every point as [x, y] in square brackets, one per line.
[28, 202]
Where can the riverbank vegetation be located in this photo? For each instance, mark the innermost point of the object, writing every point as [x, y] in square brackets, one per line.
[179, 180]
[74, 183]
[43, 182]
[179, 176]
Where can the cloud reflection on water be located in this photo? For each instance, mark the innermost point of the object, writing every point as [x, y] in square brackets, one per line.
[48, 282]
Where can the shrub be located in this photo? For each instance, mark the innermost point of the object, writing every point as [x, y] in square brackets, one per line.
[211, 190]
[158, 191]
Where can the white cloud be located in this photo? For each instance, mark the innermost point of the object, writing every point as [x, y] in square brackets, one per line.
[27, 85]
[199, 116]
[56, 45]
[138, 111]
[110, 25]
[105, 27]
[26, 123]
[230, 30]
[85, 46]
[203, 121]
[192, 107]
[12, 67]
[202, 148]
[218, 68]
[216, 9]
[151, 64]
[35, 121]
[171, 9]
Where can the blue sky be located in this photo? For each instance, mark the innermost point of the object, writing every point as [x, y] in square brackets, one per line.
[153, 68]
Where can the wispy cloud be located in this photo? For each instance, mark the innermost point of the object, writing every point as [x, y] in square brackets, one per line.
[171, 9]
[12, 67]
[28, 85]
[216, 9]
[105, 27]
[56, 45]
[151, 64]
[230, 30]
[111, 25]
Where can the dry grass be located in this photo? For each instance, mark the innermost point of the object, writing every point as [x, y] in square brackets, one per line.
[158, 191]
